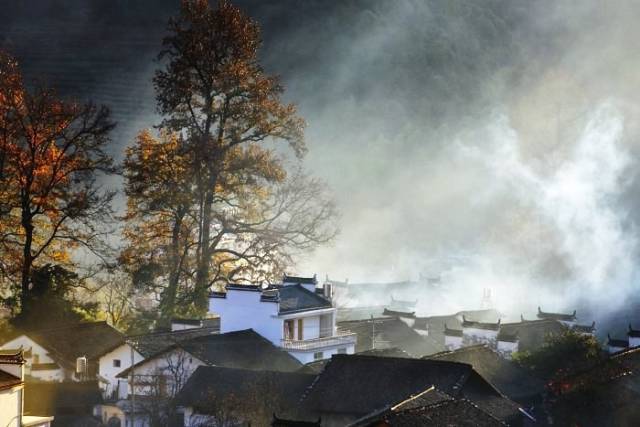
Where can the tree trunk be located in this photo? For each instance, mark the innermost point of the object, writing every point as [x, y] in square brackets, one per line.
[27, 259]
[202, 276]
[168, 304]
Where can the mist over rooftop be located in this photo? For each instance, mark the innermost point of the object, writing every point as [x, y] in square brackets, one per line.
[492, 143]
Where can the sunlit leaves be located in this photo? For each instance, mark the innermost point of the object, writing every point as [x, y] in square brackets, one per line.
[51, 150]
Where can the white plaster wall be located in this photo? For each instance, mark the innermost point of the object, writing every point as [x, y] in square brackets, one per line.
[177, 326]
[26, 343]
[11, 407]
[160, 363]
[244, 310]
[311, 327]
[308, 356]
[109, 372]
[506, 349]
[55, 375]
[452, 343]
[634, 342]
[14, 369]
[409, 321]
[613, 349]
[476, 336]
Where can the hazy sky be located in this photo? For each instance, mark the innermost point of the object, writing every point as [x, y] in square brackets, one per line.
[492, 141]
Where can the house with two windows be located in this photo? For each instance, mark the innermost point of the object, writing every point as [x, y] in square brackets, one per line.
[297, 316]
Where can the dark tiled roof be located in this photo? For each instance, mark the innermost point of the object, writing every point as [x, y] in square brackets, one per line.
[150, 344]
[358, 385]
[65, 344]
[300, 280]
[448, 413]
[358, 313]
[507, 336]
[191, 322]
[466, 323]
[390, 332]
[506, 376]
[430, 396]
[313, 367]
[241, 349]
[240, 287]
[51, 398]
[7, 380]
[532, 333]
[456, 412]
[388, 312]
[11, 357]
[489, 315]
[587, 329]
[452, 332]
[489, 399]
[386, 352]
[264, 391]
[282, 422]
[613, 342]
[634, 333]
[557, 316]
[436, 324]
[296, 298]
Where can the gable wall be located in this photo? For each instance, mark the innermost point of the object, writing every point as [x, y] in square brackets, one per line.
[10, 407]
[26, 343]
[156, 366]
[109, 372]
[243, 310]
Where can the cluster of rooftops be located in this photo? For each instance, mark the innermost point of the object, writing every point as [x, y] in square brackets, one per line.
[401, 372]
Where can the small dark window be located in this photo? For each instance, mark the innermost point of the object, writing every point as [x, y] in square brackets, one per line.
[116, 363]
[342, 350]
[318, 356]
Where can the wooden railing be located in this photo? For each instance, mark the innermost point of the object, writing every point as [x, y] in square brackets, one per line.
[338, 338]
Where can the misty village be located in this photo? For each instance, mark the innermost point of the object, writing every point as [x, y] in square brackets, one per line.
[319, 213]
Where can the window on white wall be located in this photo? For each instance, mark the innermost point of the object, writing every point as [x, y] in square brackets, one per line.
[318, 355]
[116, 363]
[342, 351]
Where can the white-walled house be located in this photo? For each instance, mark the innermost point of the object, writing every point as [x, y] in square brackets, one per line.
[585, 329]
[112, 363]
[161, 375]
[616, 345]
[452, 338]
[566, 319]
[296, 316]
[12, 393]
[479, 332]
[56, 354]
[633, 336]
[40, 363]
[507, 344]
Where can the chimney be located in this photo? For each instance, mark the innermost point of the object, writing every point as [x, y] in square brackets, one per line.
[328, 291]
[81, 367]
